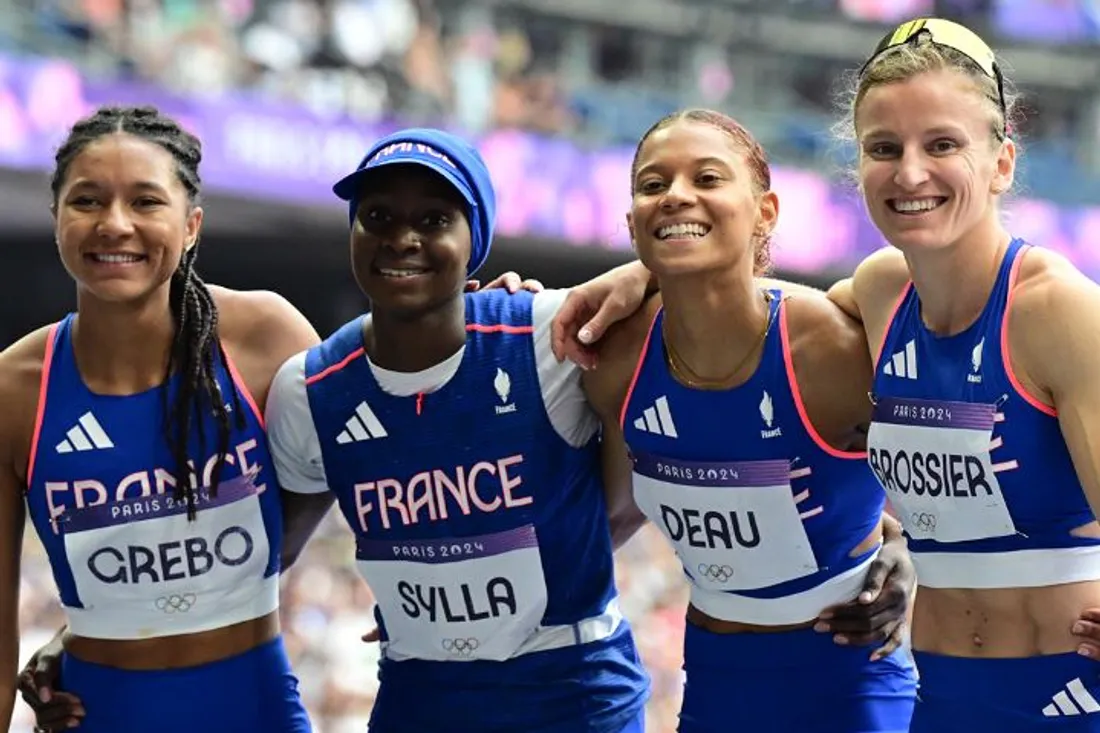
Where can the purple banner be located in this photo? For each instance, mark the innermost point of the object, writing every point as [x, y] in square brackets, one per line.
[446, 549]
[710, 473]
[156, 506]
[547, 188]
[934, 413]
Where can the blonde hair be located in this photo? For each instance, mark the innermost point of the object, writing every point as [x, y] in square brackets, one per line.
[921, 56]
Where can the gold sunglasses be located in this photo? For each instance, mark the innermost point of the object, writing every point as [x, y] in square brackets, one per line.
[944, 33]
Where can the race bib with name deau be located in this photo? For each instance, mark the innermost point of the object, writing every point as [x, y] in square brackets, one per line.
[457, 599]
[735, 526]
[932, 458]
[144, 559]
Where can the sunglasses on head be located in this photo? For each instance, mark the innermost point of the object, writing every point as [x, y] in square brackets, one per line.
[944, 33]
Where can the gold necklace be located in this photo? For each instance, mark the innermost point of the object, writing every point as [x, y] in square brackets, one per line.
[686, 376]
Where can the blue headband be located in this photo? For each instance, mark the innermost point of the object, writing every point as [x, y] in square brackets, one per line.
[451, 157]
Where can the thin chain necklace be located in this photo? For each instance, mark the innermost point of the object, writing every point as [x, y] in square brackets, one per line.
[686, 376]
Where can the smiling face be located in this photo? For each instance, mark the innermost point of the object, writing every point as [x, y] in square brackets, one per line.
[699, 203]
[123, 218]
[410, 243]
[931, 166]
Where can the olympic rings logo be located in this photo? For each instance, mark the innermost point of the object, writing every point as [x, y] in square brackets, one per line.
[717, 573]
[176, 603]
[461, 647]
[924, 521]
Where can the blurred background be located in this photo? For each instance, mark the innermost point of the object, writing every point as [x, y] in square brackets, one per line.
[288, 94]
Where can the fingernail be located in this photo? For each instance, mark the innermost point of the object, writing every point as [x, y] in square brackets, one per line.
[865, 597]
[1078, 628]
[842, 640]
[585, 335]
[821, 627]
[44, 694]
[1084, 651]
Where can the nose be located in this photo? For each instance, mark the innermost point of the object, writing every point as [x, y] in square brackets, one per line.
[679, 194]
[115, 221]
[406, 240]
[912, 171]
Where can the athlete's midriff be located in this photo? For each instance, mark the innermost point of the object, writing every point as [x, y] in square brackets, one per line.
[175, 652]
[721, 626]
[1001, 622]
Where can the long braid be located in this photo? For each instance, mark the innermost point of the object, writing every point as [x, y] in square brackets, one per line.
[196, 347]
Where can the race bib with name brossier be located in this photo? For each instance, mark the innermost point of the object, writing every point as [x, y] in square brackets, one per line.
[932, 458]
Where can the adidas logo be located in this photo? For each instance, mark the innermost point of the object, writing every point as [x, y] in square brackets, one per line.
[87, 434]
[904, 363]
[657, 420]
[1063, 705]
[363, 425]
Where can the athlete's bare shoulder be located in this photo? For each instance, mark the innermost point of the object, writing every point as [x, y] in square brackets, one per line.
[619, 351]
[879, 279]
[21, 367]
[261, 330]
[832, 367]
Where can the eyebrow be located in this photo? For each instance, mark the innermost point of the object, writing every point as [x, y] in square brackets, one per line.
[876, 133]
[698, 163]
[86, 183]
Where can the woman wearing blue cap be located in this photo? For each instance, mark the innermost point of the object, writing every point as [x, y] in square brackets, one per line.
[467, 463]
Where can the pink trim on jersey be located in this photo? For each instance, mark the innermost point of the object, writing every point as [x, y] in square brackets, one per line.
[796, 393]
[498, 328]
[890, 322]
[1005, 357]
[637, 370]
[337, 366]
[238, 382]
[40, 413]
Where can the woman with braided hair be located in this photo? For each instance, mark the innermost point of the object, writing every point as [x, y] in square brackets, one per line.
[133, 432]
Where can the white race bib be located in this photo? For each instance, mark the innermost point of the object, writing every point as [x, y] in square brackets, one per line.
[143, 559]
[457, 599]
[933, 460]
[734, 526]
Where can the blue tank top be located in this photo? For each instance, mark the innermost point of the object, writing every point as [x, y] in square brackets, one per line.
[127, 560]
[482, 534]
[756, 504]
[971, 463]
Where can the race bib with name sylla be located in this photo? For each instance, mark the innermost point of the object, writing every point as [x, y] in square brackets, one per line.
[457, 599]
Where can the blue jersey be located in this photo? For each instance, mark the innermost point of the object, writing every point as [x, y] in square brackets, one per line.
[976, 467]
[762, 512]
[101, 481]
[482, 534]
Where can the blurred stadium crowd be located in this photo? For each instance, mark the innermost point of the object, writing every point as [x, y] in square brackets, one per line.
[479, 67]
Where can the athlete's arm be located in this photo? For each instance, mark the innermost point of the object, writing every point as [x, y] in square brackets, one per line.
[606, 389]
[1054, 342]
[11, 547]
[296, 452]
[267, 331]
[596, 305]
[20, 374]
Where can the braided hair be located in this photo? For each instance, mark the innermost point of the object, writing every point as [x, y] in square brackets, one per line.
[195, 345]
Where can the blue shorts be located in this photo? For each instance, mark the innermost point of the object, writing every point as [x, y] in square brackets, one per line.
[1057, 692]
[254, 691]
[792, 682]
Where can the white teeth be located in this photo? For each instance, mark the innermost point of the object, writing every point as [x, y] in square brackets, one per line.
[685, 231]
[116, 259]
[400, 273]
[916, 205]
